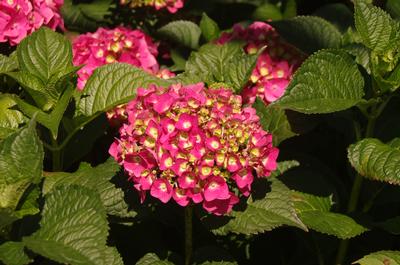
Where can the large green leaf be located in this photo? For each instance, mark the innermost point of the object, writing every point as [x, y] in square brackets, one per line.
[44, 58]
[309, 33]
[376, 160]
[315, 213]
[385, 257]
[7, 64]
[73, 229]
[182, 32]
[114, 84]
[209, 28]
[328, 81]
[21, 158]
[96, 178]
[377, 29]
[274, 120]
[12, 253]
[10, 119]
[45, 54]
[274, 210]
[152, 259]
[210, 62]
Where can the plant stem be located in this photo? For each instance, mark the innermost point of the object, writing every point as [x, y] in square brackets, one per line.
[356, 189]
[56, 156]
[188, 234]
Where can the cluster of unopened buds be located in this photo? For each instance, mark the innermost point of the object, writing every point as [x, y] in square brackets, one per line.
[275, 65]
[19, 18]
[193, 144]
[171, 5]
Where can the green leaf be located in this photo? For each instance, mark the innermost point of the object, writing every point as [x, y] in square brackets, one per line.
[209, 28]
[152, 259]
[290, 9]
[315, 213]
[393, 7]
[338, 14]
[21, 158]
[45, 54]
[384, 257]
[377, 29]
[85, 16]
[361, 53]
[12, 253]
[73, 229]
[267, 11]
[96, 178]
[239, 70]
[10, 119]
[391, 225]
[182, 32]
[7, 64]
[210, 62]
[373, 159]
[327, 81]
[114, 84]
[53, 119]
[283, 167]
[44, 58]
[274, 120]
[274, 210]
[309, 33]
[179, 61]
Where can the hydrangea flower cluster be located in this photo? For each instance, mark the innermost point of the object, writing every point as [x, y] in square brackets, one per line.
[19, 18]
[113, 45]
[171, 5]
[193, 144]
[275, 66]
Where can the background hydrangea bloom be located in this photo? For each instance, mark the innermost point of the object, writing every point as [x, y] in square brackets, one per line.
[19, 18]
[275, 66]
[113, 45]
[193, 144]
[171, 5]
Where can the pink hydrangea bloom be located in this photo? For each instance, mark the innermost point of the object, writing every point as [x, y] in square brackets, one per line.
[192, 144]
[113, 45]
[275, 66]
[171, 5]
[19, 18]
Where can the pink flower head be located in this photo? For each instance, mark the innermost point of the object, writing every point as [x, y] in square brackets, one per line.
[205, 152]
[19, 18]
[275, 66]
[113, 45]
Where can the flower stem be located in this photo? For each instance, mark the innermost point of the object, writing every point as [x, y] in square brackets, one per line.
[188, 234]
[56, 156]
[356, 189]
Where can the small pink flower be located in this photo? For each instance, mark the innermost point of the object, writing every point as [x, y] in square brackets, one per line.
[180, 197]
[221, 206]
[216, 188]
[162, 190]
